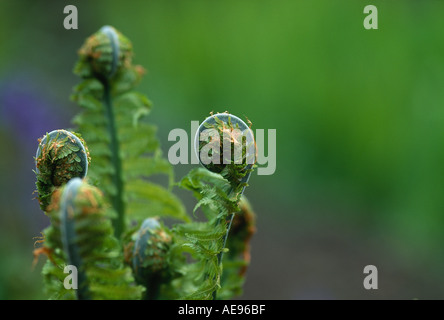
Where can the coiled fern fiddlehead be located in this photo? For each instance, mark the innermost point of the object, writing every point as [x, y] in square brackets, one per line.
[147, 254]
[61, 156]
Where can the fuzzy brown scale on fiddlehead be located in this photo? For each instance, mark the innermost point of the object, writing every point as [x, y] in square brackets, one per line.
[61, 156]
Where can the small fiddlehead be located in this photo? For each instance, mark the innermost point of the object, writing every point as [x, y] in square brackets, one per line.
[232, 151]
[61, 156]
[147, 254]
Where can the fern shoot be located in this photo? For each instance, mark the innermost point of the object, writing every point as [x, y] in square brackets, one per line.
[122, 142]
[219, 191]
[107, 217]
[147, 254]
[89, 243]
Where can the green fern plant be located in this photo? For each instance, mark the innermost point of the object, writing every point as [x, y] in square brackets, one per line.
[105, 213]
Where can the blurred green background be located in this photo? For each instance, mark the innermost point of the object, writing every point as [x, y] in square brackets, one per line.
[359, 116]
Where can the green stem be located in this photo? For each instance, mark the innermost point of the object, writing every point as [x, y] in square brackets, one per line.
[153, 288]
[221, 254]
[69, 236]
[116, 199]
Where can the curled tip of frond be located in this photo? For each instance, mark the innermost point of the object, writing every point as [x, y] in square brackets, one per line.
[225, 144]
[104, 53]
[147, 251]
[61, 156]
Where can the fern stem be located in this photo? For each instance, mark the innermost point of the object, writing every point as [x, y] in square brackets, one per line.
[116, 199]
[153, 288]
[221, 254]
[69, 236]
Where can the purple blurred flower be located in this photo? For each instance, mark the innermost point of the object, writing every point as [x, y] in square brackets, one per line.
[26, 114]
[25, 111]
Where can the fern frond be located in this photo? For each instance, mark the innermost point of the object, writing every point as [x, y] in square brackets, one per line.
[205, 292]
[205, 240]
[146, 199]
[123, 144]
[219, 191]
[53, 276]
[88, 242]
